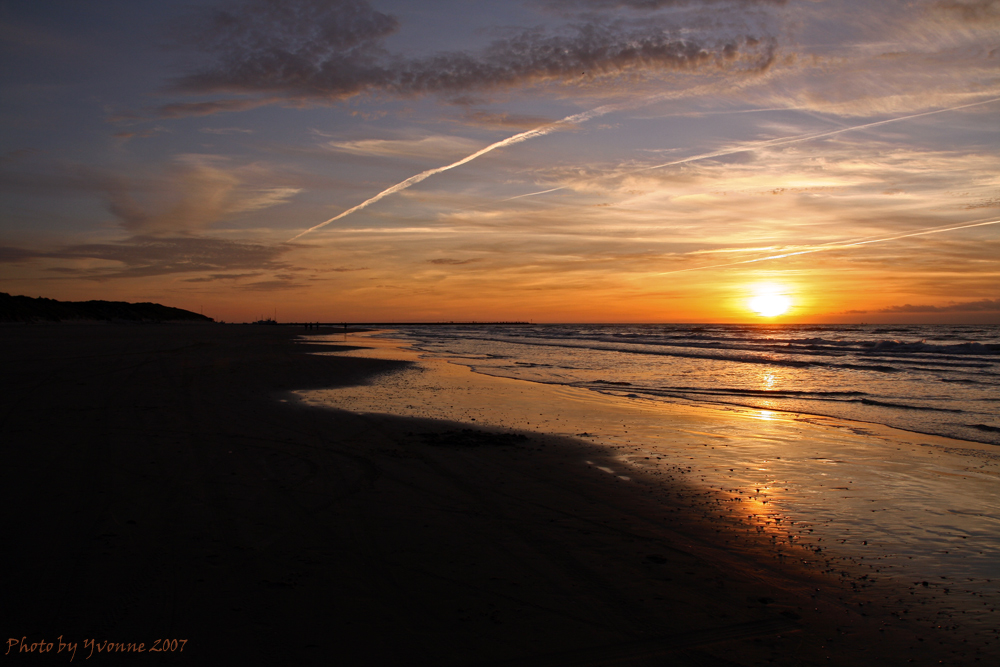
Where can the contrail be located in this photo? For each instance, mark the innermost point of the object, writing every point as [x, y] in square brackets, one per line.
[600, 111]
[774, 142]
[516, 139]
[575, 119]
[837, 246]
[796, 139]
[530, 194]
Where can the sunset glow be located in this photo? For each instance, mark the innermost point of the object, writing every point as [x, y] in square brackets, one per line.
[770, 305]
[338, 160]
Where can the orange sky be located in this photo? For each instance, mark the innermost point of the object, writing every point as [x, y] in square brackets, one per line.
[643, 162]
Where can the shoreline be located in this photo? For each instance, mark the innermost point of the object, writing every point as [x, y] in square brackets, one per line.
[768, 521]
[158, 487]
[846, 374]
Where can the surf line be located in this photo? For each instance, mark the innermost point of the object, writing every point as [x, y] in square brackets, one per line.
[836, 246]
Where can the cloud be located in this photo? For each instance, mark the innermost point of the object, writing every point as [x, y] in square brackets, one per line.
[225, 130]
[451, 262]
[181, 109]
[314, 47]
[983, 305]
[223, 276]
[502, 121]
[306, 50]
[138, 134]
[648, 5]
[976, 12]
[10, 254]
[342, 269]
[188, 196]
[434, 146]
[198, 194]
[986, 203]
[278, 284]
[143, 256]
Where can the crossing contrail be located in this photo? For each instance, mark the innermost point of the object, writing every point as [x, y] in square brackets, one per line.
[576, 119]
[836, 246]
[774, 142]
[806, 137]
[516, 139]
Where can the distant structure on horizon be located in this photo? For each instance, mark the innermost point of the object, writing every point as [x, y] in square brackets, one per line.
[26, 309]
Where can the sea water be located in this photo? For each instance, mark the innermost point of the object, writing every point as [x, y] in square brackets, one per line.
[939, 380]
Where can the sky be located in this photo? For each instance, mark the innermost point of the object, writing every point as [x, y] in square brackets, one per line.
[499, 160]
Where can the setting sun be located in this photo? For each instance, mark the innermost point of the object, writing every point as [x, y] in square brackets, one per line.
[770, 303]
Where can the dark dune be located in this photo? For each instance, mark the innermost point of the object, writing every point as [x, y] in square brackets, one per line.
[156, 487]
[28, 309]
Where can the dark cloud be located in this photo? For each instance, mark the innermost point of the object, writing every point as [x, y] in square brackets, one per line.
[305, 50]
[309, 47]
[983, 305]
[143, 256]
[273, 285]
[451, 262]
[9, 254]
[987, 203]
[181, 109]
[223, 276]
[225, 130]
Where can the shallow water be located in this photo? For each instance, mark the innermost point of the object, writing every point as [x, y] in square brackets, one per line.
[941, 380]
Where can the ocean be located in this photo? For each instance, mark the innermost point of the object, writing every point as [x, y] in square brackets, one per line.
[934, 379]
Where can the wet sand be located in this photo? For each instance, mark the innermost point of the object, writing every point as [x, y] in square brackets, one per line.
[174, 482]
[880, 510]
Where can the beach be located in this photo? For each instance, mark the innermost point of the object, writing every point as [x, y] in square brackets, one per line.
[276, 498]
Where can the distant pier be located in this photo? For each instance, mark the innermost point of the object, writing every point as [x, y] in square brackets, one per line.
[393, 324]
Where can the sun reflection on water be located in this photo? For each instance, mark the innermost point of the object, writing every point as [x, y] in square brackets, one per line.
[767, 381]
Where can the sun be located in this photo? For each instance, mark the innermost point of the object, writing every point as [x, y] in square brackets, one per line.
[769, 302]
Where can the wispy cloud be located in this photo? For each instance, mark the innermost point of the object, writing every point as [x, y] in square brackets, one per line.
[983, 305]
[215, 277]
[413, 180]
[433, 146]
[793, 252]
[188, 195]
[976, 12]
[225, 130]
[144, 256]
[647, 5]
[502, 120]
[182, 109]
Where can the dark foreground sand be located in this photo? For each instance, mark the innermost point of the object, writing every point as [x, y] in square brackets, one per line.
[156, 487]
